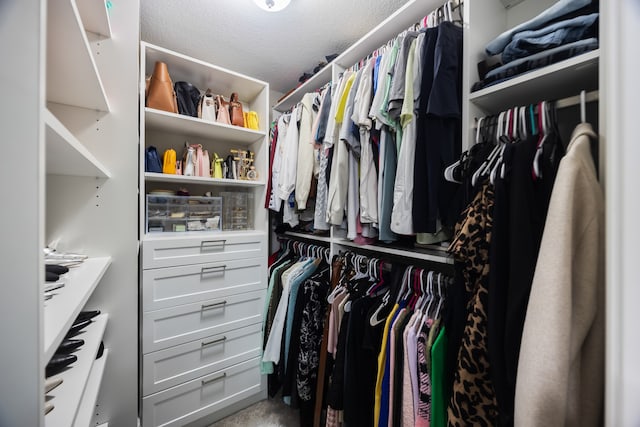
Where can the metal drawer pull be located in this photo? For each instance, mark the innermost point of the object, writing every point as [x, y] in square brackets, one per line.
[214, 305]
[219, 377]
[212, 342]
[212, 244]
[216, 269]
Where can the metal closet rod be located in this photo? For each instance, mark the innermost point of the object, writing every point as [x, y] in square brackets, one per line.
[575, 100]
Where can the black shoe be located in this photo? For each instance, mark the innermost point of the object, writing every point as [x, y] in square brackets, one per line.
[58, 363]
[51, 277]
[86, 315]
[69, 346]
[100, 350]
[57, 269]
[77, 327]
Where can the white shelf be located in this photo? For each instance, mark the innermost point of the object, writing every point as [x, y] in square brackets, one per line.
[90, 396]
[202, 74]
[195, 127]
[68, 395]
[61, 310]
[565, 78]
[181, 179]
[201, 234]
[65, 155]
[95, 16]
[432, 255]
[315, 82]
[72, 74]
[306, 236]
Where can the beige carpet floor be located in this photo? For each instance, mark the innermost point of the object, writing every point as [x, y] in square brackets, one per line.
[267, 413]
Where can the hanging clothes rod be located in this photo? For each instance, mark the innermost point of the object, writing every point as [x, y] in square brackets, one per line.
[575, 100]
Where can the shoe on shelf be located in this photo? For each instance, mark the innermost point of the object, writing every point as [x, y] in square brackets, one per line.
[50, 276]
[77, 327]
[100, 350]
[49, 287]
[51, 383]
[48, 407]
[69, 346]
[58, 363]
[87, 315]
[56, 268]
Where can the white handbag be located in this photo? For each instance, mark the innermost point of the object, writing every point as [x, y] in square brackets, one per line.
[207, 107]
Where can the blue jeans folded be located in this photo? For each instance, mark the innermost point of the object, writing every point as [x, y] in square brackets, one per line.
[528, 42]
[535, 61]
[562, 7]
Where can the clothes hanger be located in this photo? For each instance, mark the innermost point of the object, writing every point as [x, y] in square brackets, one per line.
[542, 120]
[488, 163]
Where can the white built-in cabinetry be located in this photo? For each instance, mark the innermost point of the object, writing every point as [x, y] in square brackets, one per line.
[202, 292]
[70, 129]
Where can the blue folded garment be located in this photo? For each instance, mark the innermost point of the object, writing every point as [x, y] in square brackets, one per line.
[562, 7]
[528, 42]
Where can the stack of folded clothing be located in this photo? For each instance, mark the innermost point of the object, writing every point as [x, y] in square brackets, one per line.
[566, 29]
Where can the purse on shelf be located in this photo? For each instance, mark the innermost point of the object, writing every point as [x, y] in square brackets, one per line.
[169, 161]
[216, 166]
[161, 95]
[189, 160]
[251, 120]
[151, 160]
[222, 107]
[207, 107]
[236, 114]
[202, 157]
[188, 97]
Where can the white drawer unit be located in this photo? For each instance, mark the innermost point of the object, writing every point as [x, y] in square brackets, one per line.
[168, 287]
[184, 323]
[195, 399]
[172, 252]
[175, 365]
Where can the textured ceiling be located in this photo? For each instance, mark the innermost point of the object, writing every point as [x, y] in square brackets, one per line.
[274, 47]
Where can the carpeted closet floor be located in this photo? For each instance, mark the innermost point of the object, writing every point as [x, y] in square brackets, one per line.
[267, 413]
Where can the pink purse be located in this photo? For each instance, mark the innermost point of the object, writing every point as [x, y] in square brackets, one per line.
[223, 110]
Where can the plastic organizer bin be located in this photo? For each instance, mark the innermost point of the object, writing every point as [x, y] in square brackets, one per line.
[237, 210]
[183, 213]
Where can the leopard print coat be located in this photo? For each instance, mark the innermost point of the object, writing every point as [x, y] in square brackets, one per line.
[473, 400]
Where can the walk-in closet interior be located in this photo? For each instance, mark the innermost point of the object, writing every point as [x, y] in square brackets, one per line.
[319, 213]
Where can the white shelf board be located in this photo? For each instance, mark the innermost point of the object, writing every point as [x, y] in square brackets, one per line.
[432, 255]
[68, 395]
[95, 16]
[306, 236]
[65, 155]
[315, 82]
[195, 127]
[411, 13]
[560, 80]
[181, 179]
[61, 310]
[90, 396]
[72, 74]
[202, 74]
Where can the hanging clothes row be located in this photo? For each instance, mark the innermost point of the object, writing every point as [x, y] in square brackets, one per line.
[514, 199]
[368, 152]
[372, 343]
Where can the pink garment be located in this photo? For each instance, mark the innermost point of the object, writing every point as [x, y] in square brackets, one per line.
[392, 349]
[408, 411]
[334, 324]
[333, 418]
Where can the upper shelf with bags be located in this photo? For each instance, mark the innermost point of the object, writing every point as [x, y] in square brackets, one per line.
[193, 98]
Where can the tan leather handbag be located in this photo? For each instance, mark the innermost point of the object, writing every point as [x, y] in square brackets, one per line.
[161, 95]
[235, 111]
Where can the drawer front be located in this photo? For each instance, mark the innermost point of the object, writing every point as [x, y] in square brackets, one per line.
[168, 287]
[179, 325]
[195, 399]
[171, 252]
[176, 365]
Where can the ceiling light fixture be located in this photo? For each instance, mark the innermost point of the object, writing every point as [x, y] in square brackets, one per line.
[272, 5]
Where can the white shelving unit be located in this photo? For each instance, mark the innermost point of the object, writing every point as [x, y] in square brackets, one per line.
[197, 266]
[61, 310]
[88, 403]
[75, 189]
[68, 396]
